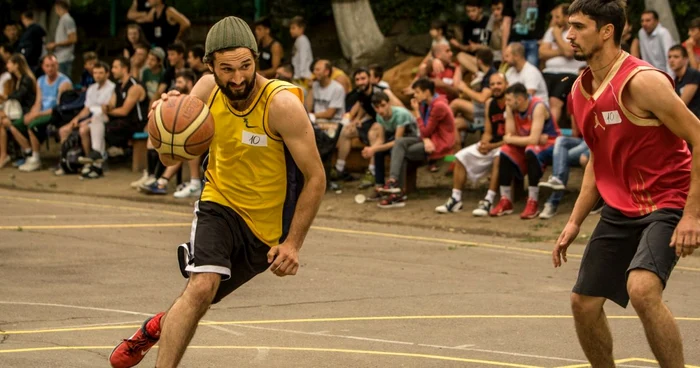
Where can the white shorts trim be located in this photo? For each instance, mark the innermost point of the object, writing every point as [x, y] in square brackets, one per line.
[476, 164]
[223, 271]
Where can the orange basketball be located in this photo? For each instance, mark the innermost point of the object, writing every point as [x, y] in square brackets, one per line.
[181, 128]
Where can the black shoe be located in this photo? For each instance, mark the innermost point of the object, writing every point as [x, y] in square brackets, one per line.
[94, 173]
[93, 157]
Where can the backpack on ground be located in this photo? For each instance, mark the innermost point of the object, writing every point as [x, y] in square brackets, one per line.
[71, 149]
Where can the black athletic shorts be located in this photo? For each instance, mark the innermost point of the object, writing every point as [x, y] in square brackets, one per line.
[221, 242]
[559, 84]
[363, 131]
[620, 244]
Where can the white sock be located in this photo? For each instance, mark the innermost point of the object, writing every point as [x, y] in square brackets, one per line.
[340, 165]
[162, 181]
[533, 192]
[28, 152]
[196, 183]
[371, 169]
[491, 196]
[505, 192]
[35, 155]
[457, 194]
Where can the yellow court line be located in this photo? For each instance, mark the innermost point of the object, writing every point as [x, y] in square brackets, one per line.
[620, 361]
[286, 348]
[333, 319]
[92, 226]
[322, 228]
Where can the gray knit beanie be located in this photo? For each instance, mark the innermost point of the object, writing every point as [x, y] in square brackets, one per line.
[228, 33]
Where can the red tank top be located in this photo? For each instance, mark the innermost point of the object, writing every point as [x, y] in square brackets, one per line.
[523, 121]
[446, 76]
[640, 165]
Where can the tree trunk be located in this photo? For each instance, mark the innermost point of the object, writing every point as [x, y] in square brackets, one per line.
[665, 16]
[358, 32]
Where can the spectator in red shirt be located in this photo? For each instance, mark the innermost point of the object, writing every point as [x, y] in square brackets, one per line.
[692, 44]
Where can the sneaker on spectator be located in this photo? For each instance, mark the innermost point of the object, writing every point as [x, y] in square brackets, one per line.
[451, 206]
[141, 180]
[19, 162]
[32, 164]
[131, 351]
[531, 210]
[93, 172]
[367, 180]
[115, 151]
[376, 195]
[341, 175]
[188, 190]
[548, 212]
[553, 183]
[478, 78]
[391, 187]
[396, 200]
[504, 207]
[482, 209]
[59, 172]
[155, 188]
[93, 157]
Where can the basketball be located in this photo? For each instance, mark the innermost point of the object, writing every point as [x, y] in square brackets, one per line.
[181, 128]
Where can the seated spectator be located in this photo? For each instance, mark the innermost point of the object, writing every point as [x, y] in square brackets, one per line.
[528, 148]
[134, 37]
[450, 73]
[655, 41]
[285, 73]
[568, 152]
[393, 122]
[376, 73]
[561, 69]
[23, 91]
[195, 59]
[176, 60]
[10, 35]
[472, 106]
[270, 50]
[436, 125]
[127, 111]
[50, 86]
[692, 44]
[89, 61]
[438, 34]
[521, 71]
[327, 102]
[184, 83]
[6, 85]
[475, 35]
[90, 122]
[361, 120]
[154, 72]
[138, 61]
[31, 42]
[495, 28]
[302, 56]
[477, 160]
[687, 79]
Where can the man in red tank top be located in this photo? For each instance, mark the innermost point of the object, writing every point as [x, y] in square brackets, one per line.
[636, 128]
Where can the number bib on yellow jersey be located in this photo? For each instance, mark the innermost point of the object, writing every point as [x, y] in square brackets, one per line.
[249, 168]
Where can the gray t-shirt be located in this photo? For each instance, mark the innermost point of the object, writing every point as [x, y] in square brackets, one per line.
[302, 57]
[331, 96]
[66, 26]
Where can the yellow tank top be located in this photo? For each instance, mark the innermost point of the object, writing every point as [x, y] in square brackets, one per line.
[249, 169]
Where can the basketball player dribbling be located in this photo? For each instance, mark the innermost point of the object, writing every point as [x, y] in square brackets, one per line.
[264, 183]
[640, 164]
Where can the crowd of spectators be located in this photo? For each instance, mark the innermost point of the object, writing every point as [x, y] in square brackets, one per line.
[504, 75]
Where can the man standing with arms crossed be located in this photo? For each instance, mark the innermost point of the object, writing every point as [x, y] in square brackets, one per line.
[641, 166]
[260, 196]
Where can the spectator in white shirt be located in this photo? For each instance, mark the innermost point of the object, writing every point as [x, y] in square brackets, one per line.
[521, 71]
[65, 39]
[561, 69]
[302, 56]
[655, 41]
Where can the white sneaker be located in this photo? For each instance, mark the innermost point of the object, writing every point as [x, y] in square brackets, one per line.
[553, 183]
[188, 191]
[482, 210]
[142, 179]
[548, 212]
[452, 205]
[86, 169]
[32, 164]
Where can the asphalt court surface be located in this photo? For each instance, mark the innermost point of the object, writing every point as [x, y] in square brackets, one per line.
[80, 273]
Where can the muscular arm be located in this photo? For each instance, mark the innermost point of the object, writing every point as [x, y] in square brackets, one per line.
[327, 114]
[547, 51]
[588, 196]
[400, 130]
[134, 15]
[538, 117]
[288, 119]
[480, 97]
[665, 105]
[135, 94]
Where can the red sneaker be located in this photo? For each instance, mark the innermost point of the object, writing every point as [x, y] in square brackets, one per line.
[504, 207]
[531, 210]
[130, 351]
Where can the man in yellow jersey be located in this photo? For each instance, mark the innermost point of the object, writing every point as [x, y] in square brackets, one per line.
[263, 186]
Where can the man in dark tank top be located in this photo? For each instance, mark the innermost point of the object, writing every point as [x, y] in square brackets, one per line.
[271, 51]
